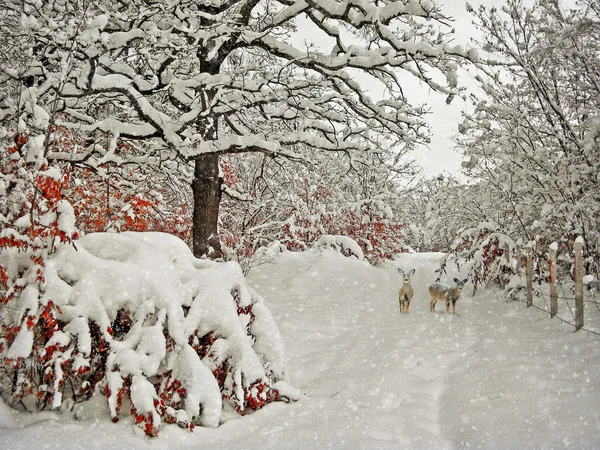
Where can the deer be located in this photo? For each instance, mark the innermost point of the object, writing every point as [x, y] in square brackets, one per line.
[406, 291]
[448, 294]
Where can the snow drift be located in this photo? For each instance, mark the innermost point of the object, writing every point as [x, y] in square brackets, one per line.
[135, 317]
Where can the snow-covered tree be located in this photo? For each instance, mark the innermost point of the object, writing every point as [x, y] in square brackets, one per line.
[437, 210]
[533, 136]
[180, 80]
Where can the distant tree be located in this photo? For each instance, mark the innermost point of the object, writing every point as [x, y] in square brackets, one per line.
[183, 81]
[438, 209]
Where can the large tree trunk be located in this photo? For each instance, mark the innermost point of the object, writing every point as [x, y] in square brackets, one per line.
[206, 188]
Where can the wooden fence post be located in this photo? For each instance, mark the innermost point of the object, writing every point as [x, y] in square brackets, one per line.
[553, 290]
[578, 275]
[529, 274]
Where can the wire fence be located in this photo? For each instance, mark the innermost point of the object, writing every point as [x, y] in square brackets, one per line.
[567, 301]
[566, 307]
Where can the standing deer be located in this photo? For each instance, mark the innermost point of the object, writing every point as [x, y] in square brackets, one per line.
[406, 291]
[447, 293]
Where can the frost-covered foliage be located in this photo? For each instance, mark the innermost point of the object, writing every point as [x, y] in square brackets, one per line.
[296, 204]
[369, 223]
[435, 211]
[481, 253]
[533, 137]
[108, 198]
[136, 318]
[35, 216]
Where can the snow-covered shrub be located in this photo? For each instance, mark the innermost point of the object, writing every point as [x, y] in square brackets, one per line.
[119, 198]
[135, 317]
[343, 244]
[266, 201]
[368, 223]
[481, 251]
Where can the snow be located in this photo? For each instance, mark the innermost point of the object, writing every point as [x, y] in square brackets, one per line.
[52, 172]
[343, 244]
[66, 217]
[23, 343]
[35, 147]
[202, 388]
[142, 393]
[494, 375]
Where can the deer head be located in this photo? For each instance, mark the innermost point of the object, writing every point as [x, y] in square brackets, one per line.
[406, 275]
[460, 283]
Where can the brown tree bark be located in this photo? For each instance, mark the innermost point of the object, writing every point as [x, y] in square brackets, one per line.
[206, 188]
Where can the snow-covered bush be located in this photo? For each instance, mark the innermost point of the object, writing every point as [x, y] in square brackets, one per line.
[296, 204]
[135, 317]
[343, 244]
[480, 251]
[369, 223]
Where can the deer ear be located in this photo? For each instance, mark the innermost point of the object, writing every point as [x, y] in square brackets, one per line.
[412, 271]
[465, 280]
[401, 271]
[456, 280]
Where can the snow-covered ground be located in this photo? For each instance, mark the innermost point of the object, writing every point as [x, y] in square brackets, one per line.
[495, 375]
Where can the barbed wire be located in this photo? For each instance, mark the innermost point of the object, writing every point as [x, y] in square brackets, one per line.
[564, 297]
[545, 297]
[559, 318]
[539, 293]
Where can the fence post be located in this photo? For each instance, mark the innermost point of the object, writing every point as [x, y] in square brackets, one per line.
[553, 290]
[578, 283]
[529, 274]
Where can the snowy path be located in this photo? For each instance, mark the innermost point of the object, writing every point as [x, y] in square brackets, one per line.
[492, 376]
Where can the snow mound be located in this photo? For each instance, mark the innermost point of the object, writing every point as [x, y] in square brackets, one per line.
[137, 317]
[343, 244]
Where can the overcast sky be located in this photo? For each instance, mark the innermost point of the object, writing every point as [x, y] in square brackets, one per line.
[444, 119]
[440, 157]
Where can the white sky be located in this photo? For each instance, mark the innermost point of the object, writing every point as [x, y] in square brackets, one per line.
[439, 156]
[444, 120]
